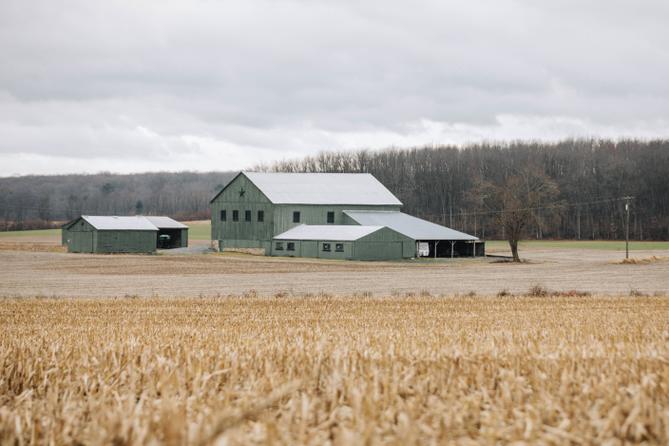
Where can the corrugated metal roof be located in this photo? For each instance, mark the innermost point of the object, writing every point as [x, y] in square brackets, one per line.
[165, 222]
[323, 188]
[327, 232]
[133, 223]
[136, 223]
[414, 227]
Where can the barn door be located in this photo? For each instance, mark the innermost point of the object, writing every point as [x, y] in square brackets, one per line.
[87, 241]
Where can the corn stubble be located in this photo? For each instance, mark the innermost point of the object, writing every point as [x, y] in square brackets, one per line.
[319, 370]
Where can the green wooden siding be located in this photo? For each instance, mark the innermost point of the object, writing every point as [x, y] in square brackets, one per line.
[309, 248]
[378, 250]
[316, 214]
[384, 244]
[313, 249]
[241, 233]
[125, 241]
[79, 237]
[184, 238]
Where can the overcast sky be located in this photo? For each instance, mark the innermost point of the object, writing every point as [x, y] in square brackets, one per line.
[87, 86]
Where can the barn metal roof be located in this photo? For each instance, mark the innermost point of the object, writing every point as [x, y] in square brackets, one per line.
[323, 188]
[136, 223]
[133, 223]
[413, 227]
[327, 232]
[165, 222]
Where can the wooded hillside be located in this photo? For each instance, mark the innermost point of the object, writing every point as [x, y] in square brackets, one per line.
[30, 202]
[441, 184]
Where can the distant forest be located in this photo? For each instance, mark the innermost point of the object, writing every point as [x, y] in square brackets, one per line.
[441, 184]
[32, 202]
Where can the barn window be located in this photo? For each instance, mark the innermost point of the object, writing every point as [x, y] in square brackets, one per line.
[235, 215]
[296, 217]
[279, 246]
[339, 247]
[331, 217]
[224, 216]
[291, 246]
[326, 247]
[247, 215]
[261, 216]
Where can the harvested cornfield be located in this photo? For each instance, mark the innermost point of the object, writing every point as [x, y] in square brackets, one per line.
[335, 370]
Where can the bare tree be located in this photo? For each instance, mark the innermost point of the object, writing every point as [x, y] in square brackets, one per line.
[523, 198]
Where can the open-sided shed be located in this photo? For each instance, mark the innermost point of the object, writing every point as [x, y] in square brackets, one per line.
[112, 234]
[171, 233]
[432, 240]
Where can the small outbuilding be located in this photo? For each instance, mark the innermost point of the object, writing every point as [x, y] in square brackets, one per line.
[346, 242]
[112, 234]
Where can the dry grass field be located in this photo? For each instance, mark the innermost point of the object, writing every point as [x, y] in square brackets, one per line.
[50, 274]
[335, 370]
[239, 349]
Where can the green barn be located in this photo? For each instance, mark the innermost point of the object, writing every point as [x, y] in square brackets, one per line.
[112, 234]
[316, 214]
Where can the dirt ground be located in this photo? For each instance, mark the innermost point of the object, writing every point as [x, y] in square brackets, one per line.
[26, 273]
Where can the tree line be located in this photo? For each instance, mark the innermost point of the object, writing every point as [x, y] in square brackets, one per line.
[583, 182]
[586, 180]
[34, 202]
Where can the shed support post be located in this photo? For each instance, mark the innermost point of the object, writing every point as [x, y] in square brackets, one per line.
[474, 245]
[436, 242]
[452, 248]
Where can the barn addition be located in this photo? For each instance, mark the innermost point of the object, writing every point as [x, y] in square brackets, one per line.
[327, 215]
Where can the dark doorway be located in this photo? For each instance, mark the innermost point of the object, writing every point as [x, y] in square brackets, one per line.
[460, 248]
[169, 238]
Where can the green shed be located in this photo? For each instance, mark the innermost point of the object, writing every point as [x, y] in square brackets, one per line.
[102, 234]
[111, 234]
[345, 242]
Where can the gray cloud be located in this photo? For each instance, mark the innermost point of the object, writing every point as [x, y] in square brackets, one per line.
[202, 85]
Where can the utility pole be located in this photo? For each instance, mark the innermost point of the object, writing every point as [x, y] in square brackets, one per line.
[627, 199]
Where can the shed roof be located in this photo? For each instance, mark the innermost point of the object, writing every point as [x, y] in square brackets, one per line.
[327, 232]
[165, 222]
[322, 188]
[135, 223]
[129, 223]
[413, 227]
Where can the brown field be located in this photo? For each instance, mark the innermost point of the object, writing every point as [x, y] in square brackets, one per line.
[25, 273]
[335, 370]
[241, 349]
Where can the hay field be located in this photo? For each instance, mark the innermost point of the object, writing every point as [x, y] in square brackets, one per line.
[53, 274]
[414, 369]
